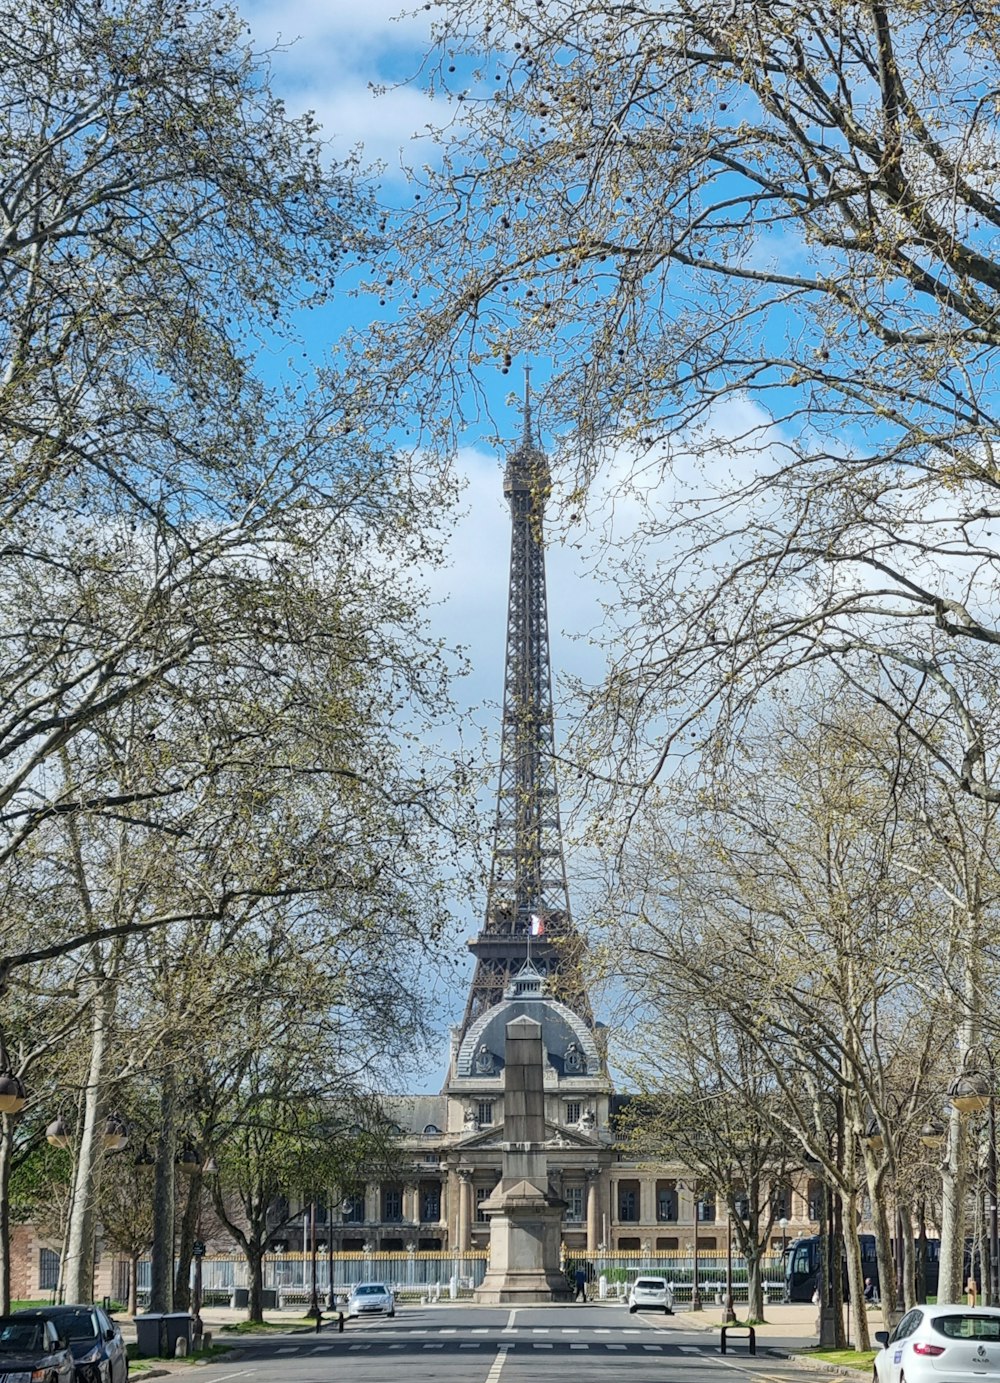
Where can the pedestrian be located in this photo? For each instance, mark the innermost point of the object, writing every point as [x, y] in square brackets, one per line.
[580, 1278]
[871, 1292]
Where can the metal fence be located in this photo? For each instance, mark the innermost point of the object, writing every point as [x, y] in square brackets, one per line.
[290, 1274]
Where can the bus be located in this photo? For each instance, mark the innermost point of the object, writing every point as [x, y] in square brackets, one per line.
[803, 1257]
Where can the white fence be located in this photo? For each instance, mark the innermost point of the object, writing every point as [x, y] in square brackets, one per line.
[289, 1275]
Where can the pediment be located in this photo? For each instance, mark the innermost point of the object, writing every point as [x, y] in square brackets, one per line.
[557, 1136]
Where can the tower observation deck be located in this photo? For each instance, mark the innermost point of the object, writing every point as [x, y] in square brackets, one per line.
[528, 874]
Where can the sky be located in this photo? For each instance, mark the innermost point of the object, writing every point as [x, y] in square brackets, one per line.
[331, 57]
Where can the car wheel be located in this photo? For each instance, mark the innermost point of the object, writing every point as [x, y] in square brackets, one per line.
[391, 1314]
[632, 1310]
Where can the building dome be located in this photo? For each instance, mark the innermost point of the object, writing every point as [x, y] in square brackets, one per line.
[567, 1041]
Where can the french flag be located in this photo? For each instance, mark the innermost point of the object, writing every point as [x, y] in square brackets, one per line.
[537, 924]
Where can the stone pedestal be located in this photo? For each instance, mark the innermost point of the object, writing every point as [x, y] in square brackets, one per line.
[525, 1215]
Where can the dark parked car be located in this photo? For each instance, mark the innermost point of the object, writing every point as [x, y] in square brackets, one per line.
[33, 1349]
[95, 1341]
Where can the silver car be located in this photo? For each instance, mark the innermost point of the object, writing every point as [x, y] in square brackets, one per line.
[370, 1299]
[940, 1344]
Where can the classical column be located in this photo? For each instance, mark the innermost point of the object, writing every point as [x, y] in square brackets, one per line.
[593, 1211]
[411, 1204]
[464, 1210]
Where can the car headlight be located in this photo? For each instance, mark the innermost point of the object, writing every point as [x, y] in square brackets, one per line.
[93, 1356]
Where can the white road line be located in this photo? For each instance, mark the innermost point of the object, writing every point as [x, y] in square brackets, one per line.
[570, 1330]
[510, 1322]
[498, 1363]
[466, 1345]
[579, 1346]
[540, 1330]
[543, 1344]
[449, 1330]
[480, 1330]
[397, 1346]
[244, 1373]
[689, 1349]
[659, 1347]
[360, 1347]
[616, 1346]
[602, 1332]
[433, 1346]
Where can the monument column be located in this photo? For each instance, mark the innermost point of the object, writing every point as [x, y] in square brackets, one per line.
[464, 1210]
[593, 1211]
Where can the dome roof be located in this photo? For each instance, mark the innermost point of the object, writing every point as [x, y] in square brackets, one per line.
[568, 1043]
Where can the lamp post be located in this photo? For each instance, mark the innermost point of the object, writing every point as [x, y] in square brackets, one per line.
[696, 1304]
[783, 1222]
[728, 1314]
[314, 1307]
[972, 1091]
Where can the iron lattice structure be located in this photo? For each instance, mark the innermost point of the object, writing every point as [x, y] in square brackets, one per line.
[528, 874]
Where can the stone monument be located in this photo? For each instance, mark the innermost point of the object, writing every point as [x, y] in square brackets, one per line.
[525, 1216]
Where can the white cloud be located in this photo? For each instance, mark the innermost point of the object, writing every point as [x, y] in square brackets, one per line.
[333, 55]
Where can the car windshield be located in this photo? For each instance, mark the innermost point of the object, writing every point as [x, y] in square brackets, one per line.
[21, 1337]
[963, 1327]
[650, 1284]
[372, 1290]
[75, 1325]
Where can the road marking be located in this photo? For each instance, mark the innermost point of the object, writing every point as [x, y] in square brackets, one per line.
[689, 1349]
[543, 1344]
[498, 1363]
[540, 1330]
[356, 1347]
[397, 1346]
[466, 1345]
[579, 1346]
[244, 1373]
[480, 1330]
[449, 1330]
[570, 1330]
[433, 1346]
[602, 1332]
[659, 1347]
[616, 1346]
[510, 1321]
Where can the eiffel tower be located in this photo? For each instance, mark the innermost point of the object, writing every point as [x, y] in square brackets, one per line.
[528, 874]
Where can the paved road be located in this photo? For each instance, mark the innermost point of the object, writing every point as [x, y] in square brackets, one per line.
[457, 1344]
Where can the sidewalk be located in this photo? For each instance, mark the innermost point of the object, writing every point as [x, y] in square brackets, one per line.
[791, 1326]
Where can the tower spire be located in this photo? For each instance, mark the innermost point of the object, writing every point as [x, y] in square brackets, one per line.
[527, 906]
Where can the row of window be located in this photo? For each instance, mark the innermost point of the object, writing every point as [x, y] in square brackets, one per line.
[485, 1114]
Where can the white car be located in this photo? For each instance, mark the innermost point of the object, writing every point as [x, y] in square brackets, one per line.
[370, 1299]
[932, 1344]
[651, 1294]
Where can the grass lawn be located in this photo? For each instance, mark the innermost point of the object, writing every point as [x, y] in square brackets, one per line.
[143, 1365]
[262, 1327]
[860, 1359]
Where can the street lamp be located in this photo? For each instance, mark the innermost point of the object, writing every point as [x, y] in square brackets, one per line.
[13, 1096]
[783, 1222]
[58, 1134]
[695, 1293]
[728, 1314]
[971, 1092]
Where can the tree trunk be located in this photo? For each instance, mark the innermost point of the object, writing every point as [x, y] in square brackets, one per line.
[133, 1284]
[185, 1247]
[161, 1288]
[920, 1262]
[875, 1175]
[855, 1277]
[255, 1263]
[905, 1221]
[755, 1289]
[951, 1277]
[6, 1154]
[79, 1271]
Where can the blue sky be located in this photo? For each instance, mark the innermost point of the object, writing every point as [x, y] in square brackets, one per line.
[333, 56]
